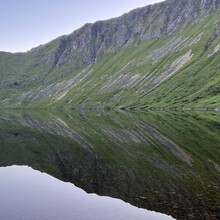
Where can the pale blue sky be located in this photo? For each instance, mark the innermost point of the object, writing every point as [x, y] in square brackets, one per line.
[28, 23]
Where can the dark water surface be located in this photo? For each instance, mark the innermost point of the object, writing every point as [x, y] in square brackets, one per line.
[166, 162]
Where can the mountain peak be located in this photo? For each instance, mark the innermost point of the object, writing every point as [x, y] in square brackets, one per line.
[88, 43]
[124, 60]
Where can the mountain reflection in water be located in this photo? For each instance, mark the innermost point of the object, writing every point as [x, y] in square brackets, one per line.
[161, 161]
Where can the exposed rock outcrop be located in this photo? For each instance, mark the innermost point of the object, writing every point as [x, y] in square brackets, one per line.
[93, 40]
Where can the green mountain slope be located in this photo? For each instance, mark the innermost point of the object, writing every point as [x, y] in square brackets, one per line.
[163, 55]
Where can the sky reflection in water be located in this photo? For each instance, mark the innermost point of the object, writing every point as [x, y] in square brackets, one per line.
[30, 194]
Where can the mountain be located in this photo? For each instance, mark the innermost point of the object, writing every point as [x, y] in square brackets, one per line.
[161, 55]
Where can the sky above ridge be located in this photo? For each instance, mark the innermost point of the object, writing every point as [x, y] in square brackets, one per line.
[28, 23]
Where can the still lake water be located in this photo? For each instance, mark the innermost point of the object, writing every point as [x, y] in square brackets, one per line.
[109, 165]
[27, 194]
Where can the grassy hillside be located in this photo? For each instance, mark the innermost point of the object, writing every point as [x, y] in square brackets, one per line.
[179, 68]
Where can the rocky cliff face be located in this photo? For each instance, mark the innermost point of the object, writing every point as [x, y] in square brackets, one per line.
[91, 41]
[159, 55]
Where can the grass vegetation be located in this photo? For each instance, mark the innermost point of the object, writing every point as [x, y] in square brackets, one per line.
[120, 79]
